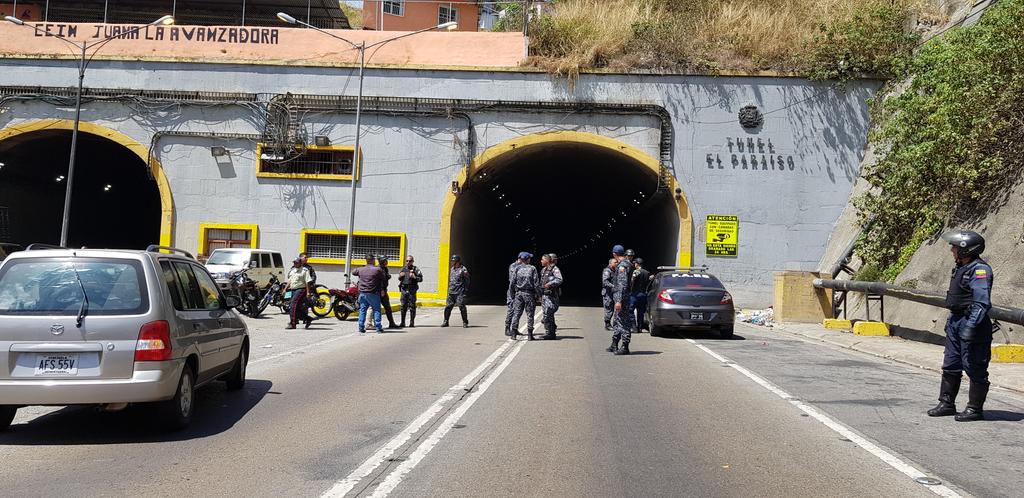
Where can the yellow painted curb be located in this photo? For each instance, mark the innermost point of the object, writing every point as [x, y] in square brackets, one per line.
[1008, 353]
[837, 324]
[871, 329]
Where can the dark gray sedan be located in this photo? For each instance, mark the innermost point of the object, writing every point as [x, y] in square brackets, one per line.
[689, 298]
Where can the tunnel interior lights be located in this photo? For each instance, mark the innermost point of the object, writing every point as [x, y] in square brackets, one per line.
[107, 187]
[60, 178]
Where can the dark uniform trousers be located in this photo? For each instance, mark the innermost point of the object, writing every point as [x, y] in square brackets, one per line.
[549, 304]
[971, 357]
[525, 301]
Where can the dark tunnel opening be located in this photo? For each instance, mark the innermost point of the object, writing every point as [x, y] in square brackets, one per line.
[567, 198]
[114, 202]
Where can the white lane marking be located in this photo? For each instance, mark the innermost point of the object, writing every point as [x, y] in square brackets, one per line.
[341, 488]
[885, 456]
[395, 478]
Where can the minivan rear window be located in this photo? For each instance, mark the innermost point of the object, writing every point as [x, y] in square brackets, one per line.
[50, 286]
[230, 258]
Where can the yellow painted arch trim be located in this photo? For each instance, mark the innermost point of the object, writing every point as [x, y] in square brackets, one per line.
[157, 171]
[487, 159]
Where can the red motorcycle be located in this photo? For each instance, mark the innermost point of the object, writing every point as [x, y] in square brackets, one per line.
[344, 303]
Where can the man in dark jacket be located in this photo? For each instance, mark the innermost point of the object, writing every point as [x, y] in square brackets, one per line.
[385, 299]
[371, 280]
[409, 283]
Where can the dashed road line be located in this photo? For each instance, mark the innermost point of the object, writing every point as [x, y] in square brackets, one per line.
[882, 454]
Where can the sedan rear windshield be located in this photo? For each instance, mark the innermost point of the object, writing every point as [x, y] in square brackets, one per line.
[681, 280]
[54, 286]
[230, 258]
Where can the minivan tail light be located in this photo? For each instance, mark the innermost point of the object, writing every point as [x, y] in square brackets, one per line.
[664, 297]
[154, 342]
[726, 298]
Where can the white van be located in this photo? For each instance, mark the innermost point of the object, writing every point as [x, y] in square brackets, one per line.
[262, 264]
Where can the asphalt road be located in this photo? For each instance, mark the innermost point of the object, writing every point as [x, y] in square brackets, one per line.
[465, 412]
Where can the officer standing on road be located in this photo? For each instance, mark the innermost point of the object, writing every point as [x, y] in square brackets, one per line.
[458, 286]
[607, 288]
[641, 279]
[551, 280]
[408, 283]
[968, 330]
[299, 283]
[622, 322]
[525, 282]
[385, 299]
[510, 295]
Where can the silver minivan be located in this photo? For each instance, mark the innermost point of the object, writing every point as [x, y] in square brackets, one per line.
[113, 327]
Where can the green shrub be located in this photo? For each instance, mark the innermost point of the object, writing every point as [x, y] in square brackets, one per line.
[872, 40]
[951, 141]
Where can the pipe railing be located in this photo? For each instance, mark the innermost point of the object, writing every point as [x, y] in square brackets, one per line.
[1000, 313]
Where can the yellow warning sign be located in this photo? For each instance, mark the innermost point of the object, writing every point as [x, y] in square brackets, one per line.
[722, 235]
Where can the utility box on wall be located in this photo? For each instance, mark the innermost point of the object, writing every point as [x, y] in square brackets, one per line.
[796, 299]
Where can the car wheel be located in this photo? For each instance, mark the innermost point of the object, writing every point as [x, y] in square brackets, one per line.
[236, 377]
[7, 413]
[655, 330]
[178, 410]
[726, 332]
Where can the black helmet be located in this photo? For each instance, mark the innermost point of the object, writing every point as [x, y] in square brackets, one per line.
[630, 252]
[456, 258]
[639, 261]
[968, 244]
[383, 260]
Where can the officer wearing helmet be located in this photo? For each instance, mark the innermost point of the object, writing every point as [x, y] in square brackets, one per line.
[510, 295]
[525, 284]
[551, 282]
[630, 255]
[458, 286]
[968, 330]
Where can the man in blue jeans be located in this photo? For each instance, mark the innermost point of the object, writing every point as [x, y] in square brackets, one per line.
[371, 281]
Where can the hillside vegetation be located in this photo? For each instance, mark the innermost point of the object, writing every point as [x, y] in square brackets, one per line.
[825, 39]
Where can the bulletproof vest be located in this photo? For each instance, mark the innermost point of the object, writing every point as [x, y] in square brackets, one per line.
[958, 297]
[409, 282]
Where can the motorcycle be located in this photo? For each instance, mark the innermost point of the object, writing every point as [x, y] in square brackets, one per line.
[344, 302]
[247, 291]
[273, 296]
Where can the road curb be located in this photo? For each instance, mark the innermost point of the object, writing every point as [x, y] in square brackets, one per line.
[855, 346]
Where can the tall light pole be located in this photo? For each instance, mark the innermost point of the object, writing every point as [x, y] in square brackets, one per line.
[83, 62]
[362, 47]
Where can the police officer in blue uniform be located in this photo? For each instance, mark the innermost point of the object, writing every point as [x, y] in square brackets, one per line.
[607, 288]
[622, 322]
[510, 295]
[458, 286]
[525, 283]
[551, 282]
[968, 330]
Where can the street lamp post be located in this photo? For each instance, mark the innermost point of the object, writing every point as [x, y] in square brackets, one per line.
[356, 158]
[83, 63]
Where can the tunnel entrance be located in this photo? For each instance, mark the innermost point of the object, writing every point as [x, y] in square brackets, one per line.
[114, 202]
[571, 198]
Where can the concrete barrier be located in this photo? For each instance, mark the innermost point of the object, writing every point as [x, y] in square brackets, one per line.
[871, 329]
[796, 299]
[837, 324]
[1008, 353]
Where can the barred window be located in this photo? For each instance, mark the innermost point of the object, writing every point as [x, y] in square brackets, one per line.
[325, 162]
[394, 7]
[446, 13]
[331, 245]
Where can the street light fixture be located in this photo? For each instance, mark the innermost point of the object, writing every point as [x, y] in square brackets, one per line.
[83, 63]
[362, 47]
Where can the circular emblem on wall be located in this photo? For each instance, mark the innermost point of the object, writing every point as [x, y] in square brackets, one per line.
[751, 117]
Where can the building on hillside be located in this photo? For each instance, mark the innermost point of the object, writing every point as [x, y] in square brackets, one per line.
[402, 15]
[319, 13]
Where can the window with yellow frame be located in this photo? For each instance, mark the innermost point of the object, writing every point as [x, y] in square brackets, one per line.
[226, 235]
[328, 246]
[315, 162]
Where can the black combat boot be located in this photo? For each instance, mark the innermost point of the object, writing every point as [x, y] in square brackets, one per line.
[529, 334]
[607, 326]
[624, 350]
[447, 315]
[614, 347]
[975, 402]
[412, 318]
[465, 318]
[948, 389]
[402, 323]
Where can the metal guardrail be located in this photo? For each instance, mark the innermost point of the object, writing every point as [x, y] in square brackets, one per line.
[1000, 313]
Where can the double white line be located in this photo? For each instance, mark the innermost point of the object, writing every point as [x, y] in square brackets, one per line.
[508, 351]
